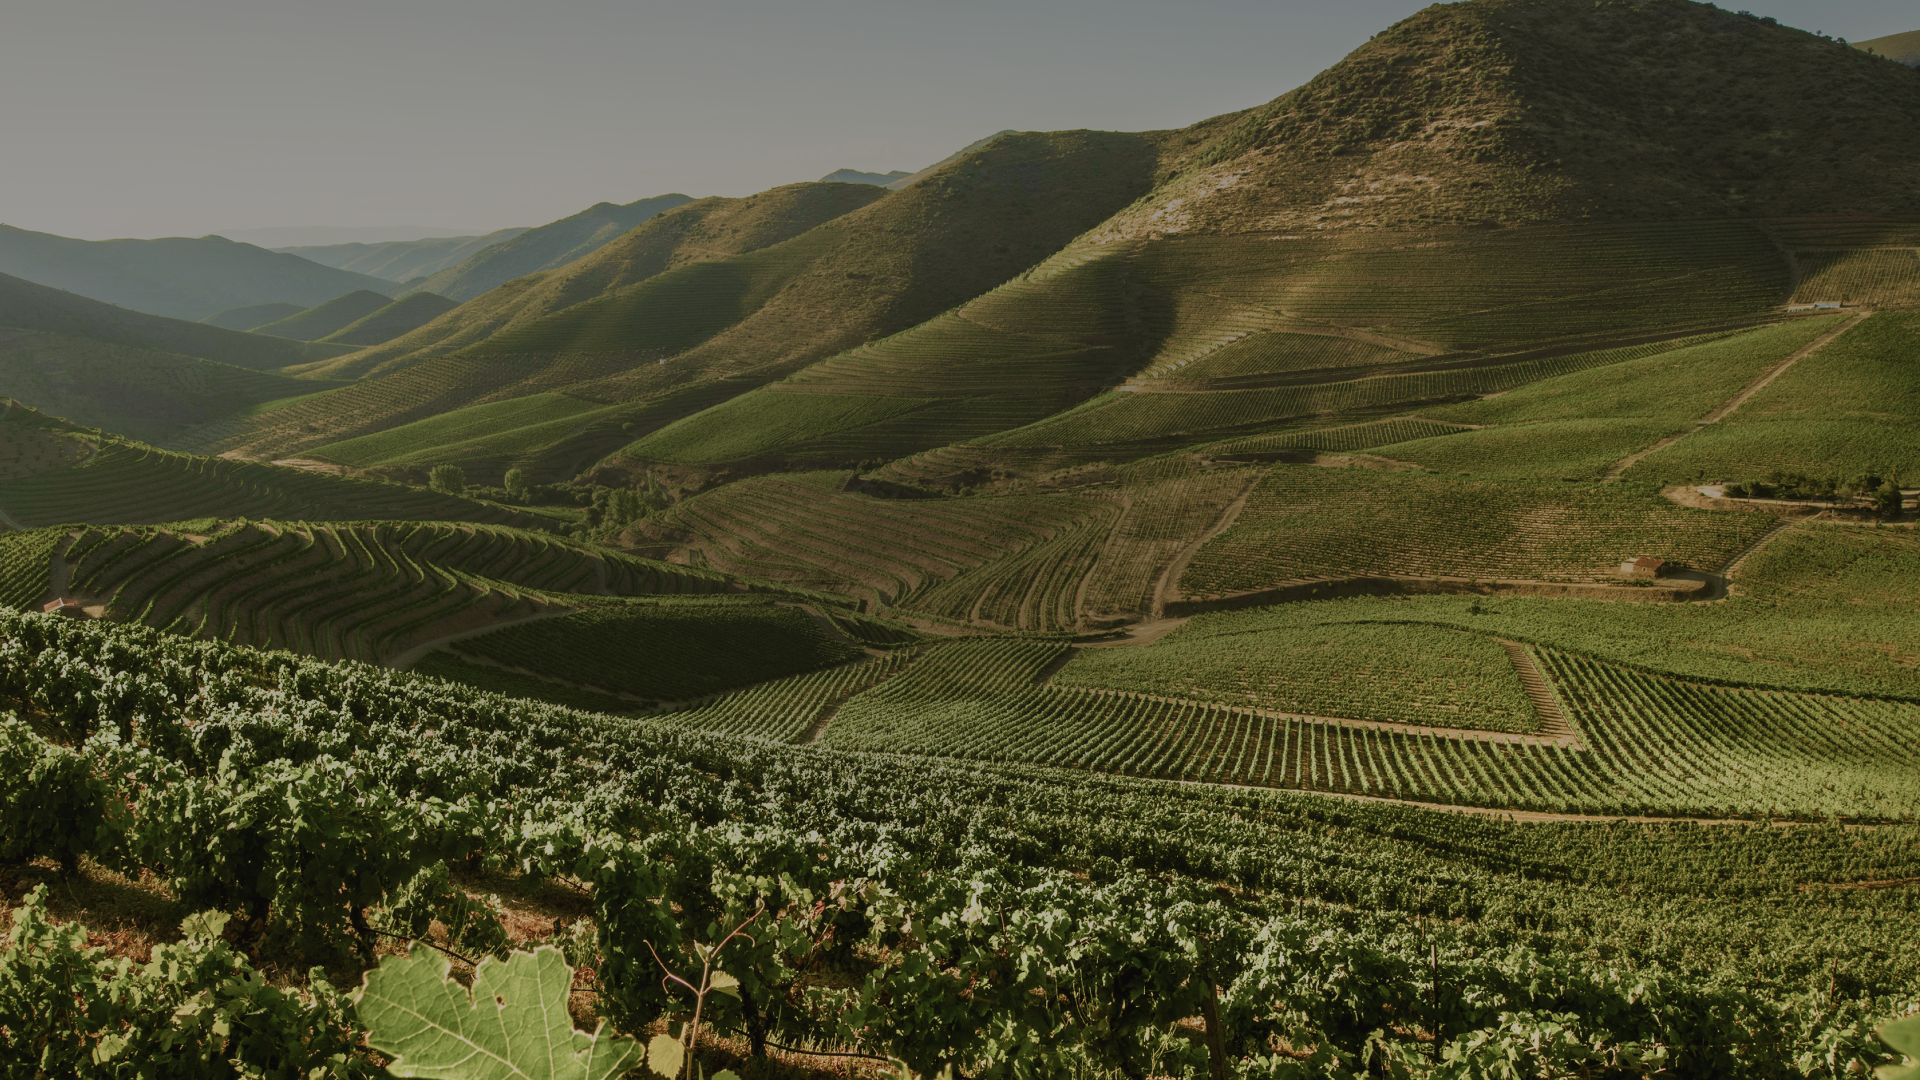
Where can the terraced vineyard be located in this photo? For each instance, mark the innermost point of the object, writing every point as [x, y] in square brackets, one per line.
[1169, 503]
[368, 591]
[788, 710]
[1016, 562]
[1390, 673]
[1303, 523]
[1647, 744]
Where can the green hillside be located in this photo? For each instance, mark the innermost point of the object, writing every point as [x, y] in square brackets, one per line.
[402, 260]
[27, 306]
[726, 325]
[175, 277]
[139, 393]
[252, 316]
[410, 312]
[553, 244]
[319, 321]
[702, 230]
[81, 476]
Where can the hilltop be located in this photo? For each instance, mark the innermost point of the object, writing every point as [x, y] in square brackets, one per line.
[410, 312]
[175, 277]
[402, 260]
[1516, 111]
[554, 244]
[855, 176]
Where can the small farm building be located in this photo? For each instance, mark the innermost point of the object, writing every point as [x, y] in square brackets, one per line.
[1644, 567]
[72, 609]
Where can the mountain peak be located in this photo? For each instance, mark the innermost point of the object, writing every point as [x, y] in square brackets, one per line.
[1506, 111]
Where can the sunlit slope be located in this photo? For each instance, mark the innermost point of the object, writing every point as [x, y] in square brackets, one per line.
[1234, 333]
[85, 477]
[698, 231]
[1479, 185]
[553, 244]
[1904, 48]
[27, 306]
[874, 271]
[134, 392]
[1853, 407]
[364, 591]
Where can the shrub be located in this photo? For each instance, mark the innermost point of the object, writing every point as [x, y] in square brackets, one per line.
[448, 479]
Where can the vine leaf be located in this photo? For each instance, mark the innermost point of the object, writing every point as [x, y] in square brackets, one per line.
[513, 1025]
[1904, 1036]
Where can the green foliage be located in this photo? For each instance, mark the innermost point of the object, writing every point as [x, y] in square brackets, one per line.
[513, 1024]
[197, 1009]
[516, 484]
[51, 803]
[1904, 1036]
[448, 479]
[26, 566]
[311, 845]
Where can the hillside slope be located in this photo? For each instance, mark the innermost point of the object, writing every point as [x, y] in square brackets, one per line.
[314, 323]
[28, 306]
[699, 231]
[410, 312]
[553, 244]
[1904, 48]
[402, 260]
[728, 325]
[176, 277]
[134, 392]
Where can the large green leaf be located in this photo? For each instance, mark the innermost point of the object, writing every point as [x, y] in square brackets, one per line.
[1904, 1036]
[514, 1023]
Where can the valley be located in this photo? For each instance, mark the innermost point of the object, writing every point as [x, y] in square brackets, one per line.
[1416, 578]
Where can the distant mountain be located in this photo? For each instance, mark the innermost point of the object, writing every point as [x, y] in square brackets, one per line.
[699, 231]
[26, 305]
[252, 316]
[314, 323]
[855, 176]
[1902, 47]
[175, 277]
[329, 235]
[402, 260]
[555, 244]
[407, 313]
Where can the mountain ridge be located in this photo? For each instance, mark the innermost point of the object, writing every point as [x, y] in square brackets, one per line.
[553, 244]
[175, 277]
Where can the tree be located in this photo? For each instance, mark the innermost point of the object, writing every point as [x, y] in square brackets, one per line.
[516, 484]
[1888, 501]
[448, 479]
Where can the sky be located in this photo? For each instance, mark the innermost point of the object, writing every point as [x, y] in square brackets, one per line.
[144, 118]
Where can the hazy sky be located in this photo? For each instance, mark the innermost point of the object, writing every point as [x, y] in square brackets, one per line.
[182, 117]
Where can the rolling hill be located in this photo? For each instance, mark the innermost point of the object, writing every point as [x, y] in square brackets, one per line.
[314, 323]
[410, 312]
[252, 317]
[726, 325]
[402, 260]
[25, 305]
[553, 244]
[702, 230]
[175, 277]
